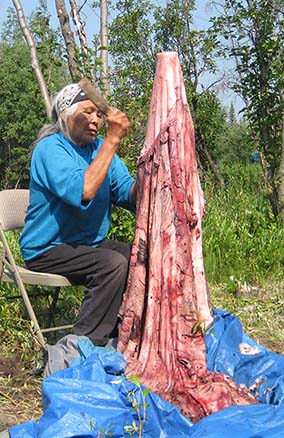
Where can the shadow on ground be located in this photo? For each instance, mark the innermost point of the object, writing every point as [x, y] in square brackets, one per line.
[20, 393]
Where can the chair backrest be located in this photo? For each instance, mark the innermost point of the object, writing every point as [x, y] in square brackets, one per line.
[13, 208]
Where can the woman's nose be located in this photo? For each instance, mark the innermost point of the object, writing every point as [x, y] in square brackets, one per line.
[94, 119]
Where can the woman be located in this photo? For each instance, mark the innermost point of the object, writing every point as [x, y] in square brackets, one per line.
[75, 177]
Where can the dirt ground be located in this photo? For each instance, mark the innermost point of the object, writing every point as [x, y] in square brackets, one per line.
[20, 393]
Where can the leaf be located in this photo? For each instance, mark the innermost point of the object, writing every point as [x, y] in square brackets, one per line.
[135, 379]
[146, 391]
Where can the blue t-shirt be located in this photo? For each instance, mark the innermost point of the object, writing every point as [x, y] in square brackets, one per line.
[56, 212]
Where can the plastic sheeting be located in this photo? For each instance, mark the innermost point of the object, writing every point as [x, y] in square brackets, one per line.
[93, 399]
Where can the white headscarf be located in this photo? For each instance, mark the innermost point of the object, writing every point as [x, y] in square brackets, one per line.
[69, 95]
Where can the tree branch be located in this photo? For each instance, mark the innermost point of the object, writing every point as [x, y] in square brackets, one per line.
[68, 38]
[33, 54]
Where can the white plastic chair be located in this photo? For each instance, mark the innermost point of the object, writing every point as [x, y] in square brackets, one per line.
[13, 207]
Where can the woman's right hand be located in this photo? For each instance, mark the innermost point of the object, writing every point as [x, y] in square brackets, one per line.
[117, 126]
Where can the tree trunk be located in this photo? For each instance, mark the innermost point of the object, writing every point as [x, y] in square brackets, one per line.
[34, 58]
[281, 170]
[104, 47]
[75, 13]
[68, 38]
[201, 147]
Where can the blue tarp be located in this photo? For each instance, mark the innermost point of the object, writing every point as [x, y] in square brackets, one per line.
[93, 399]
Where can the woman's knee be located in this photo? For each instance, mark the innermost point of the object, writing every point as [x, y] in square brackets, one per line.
[118, 262]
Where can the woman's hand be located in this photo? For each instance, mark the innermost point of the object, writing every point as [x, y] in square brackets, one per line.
[117, 126]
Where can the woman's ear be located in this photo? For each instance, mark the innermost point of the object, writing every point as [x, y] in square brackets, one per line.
[62, 116]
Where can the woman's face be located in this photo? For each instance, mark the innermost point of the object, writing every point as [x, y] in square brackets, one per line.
[84, 124]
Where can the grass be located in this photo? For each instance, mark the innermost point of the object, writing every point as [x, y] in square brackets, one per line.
[240, 235]
[20, 400]
[244, 255]
[261, 312]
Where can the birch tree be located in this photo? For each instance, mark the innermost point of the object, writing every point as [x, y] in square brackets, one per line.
[254, 34]
[136, 39]
[104, 46]
[69, 39]
[33, 55]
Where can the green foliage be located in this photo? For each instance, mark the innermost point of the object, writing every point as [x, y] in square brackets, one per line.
[123, 225]
[100, 433]
[16, 330]
[149, 30]
[22, 110]
[139, 408]
[17, 121]
[88, 63]
[233, 144]
[49, 46]
[11, 30]
[132, 74]
[210, 123]
[133, 53]
[174, 32]
[255, 32]
[240, 234]
[123, 221]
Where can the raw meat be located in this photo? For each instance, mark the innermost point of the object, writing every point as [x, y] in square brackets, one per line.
[165, 308]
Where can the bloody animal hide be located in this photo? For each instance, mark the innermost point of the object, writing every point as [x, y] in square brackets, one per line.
[165, 307]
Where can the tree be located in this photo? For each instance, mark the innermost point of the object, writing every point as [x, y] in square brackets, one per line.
[22, 109]
[83, 60]
[34, 57]
[232, 115]
[254, 31]
[171, 30]
[18, 123]
[138, 32]
[50, 48]
[104, 46]
[69, 39]
[132, 49]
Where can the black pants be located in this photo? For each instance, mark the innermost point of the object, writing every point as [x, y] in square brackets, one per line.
[103, 271]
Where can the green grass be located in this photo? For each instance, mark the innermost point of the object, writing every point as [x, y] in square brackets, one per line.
[261, 313]
[16, 331]
[240, 235]
[242, 245]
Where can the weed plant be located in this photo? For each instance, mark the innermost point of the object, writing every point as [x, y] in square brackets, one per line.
[241, 237]
[16, 331]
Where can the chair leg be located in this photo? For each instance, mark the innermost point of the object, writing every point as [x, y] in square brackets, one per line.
[36, 327]
[34, 320]
[9, 259]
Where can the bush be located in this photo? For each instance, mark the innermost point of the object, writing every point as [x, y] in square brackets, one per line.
[240, 234]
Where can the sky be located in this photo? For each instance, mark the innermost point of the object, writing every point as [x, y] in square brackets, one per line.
[201, 18]
[201, 15]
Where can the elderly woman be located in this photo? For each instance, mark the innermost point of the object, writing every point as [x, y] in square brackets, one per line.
[75, 177]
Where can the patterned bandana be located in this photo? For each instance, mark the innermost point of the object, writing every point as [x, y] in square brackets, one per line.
[68, 96]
